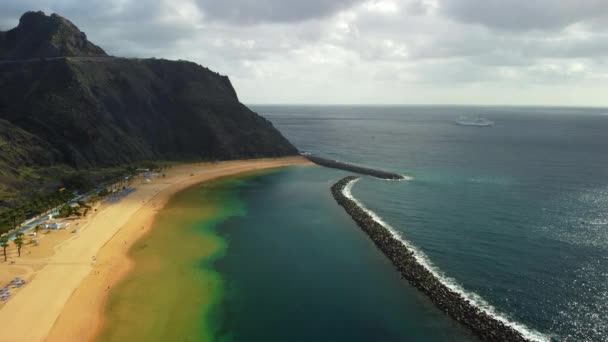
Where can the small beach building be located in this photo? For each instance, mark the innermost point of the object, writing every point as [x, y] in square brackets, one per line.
[55, 225]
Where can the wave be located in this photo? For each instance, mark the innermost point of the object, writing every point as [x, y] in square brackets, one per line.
[450, 283]
[403, 178]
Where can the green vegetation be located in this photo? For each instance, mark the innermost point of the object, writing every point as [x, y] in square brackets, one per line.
[67, 211]
[19, 242]
[4, 244]
[57, 185]
[38, 204]
[75, 209]
[78, 182]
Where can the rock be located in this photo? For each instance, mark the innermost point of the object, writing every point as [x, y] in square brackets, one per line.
[484, 326]
[353, 168]
[42, 36]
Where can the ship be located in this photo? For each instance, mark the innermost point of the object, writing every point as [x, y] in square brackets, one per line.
[479, 122]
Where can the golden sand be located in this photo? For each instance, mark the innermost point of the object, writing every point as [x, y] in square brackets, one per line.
[69, 275]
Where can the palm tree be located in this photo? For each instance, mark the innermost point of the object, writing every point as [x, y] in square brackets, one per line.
[4, 244]
[18, 216]
[19, 242]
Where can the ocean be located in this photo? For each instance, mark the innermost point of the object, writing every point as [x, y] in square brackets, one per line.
[513, 216]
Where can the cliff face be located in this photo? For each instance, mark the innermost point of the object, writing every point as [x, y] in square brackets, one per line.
[108, 111]
[93, 110]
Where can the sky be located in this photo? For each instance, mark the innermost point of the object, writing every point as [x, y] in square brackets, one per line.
[488, 52]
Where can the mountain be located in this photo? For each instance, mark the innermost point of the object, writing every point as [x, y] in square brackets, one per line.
[39, 35]
[64, 101]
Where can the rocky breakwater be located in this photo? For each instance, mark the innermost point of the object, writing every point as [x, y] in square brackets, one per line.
[485, 326]
[353, 168]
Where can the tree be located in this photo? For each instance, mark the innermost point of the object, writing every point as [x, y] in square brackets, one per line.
[66, 211]
[83, 204]
[4, 244]
[77, 181]
[19, 242]
[18, 216]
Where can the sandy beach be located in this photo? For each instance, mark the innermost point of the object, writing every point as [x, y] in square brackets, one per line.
[70, 275]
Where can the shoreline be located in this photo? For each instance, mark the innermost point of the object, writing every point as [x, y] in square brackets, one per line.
[65, 299]
[173, 268]
[484, 326]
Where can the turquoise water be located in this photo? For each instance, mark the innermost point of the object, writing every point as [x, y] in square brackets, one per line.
[514, 214]
[298, 269]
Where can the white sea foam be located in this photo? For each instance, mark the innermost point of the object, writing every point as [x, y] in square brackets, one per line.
[450, 283]
[405, 178]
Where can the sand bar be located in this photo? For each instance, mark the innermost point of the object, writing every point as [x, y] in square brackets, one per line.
[65, 295]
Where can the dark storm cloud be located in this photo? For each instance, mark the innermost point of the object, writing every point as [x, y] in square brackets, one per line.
[522, 15]
[257, 11]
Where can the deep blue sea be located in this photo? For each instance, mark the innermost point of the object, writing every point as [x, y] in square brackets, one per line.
[515, 215]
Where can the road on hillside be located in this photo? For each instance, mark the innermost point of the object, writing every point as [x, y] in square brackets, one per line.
[38, 60]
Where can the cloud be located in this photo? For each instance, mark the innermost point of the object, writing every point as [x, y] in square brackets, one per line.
[524, 15]
[241, 12]
[358, 51]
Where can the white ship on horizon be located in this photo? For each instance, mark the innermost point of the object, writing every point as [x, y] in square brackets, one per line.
[479, 122]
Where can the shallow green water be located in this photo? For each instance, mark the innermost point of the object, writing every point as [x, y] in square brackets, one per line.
[173, 290]
[266, 257]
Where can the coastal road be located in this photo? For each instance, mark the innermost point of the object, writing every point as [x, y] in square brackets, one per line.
[85, 59]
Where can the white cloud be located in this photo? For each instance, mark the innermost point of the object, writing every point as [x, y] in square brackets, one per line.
[382, 6]
[373, 51]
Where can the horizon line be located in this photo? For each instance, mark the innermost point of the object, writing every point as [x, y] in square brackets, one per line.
[426, 105]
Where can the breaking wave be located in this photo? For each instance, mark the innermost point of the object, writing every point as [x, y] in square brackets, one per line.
[450, 283]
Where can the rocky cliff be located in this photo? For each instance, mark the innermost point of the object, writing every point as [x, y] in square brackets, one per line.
[66, 102]
[39, 35]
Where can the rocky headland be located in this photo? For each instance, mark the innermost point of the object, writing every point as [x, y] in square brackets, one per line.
[67, 106]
